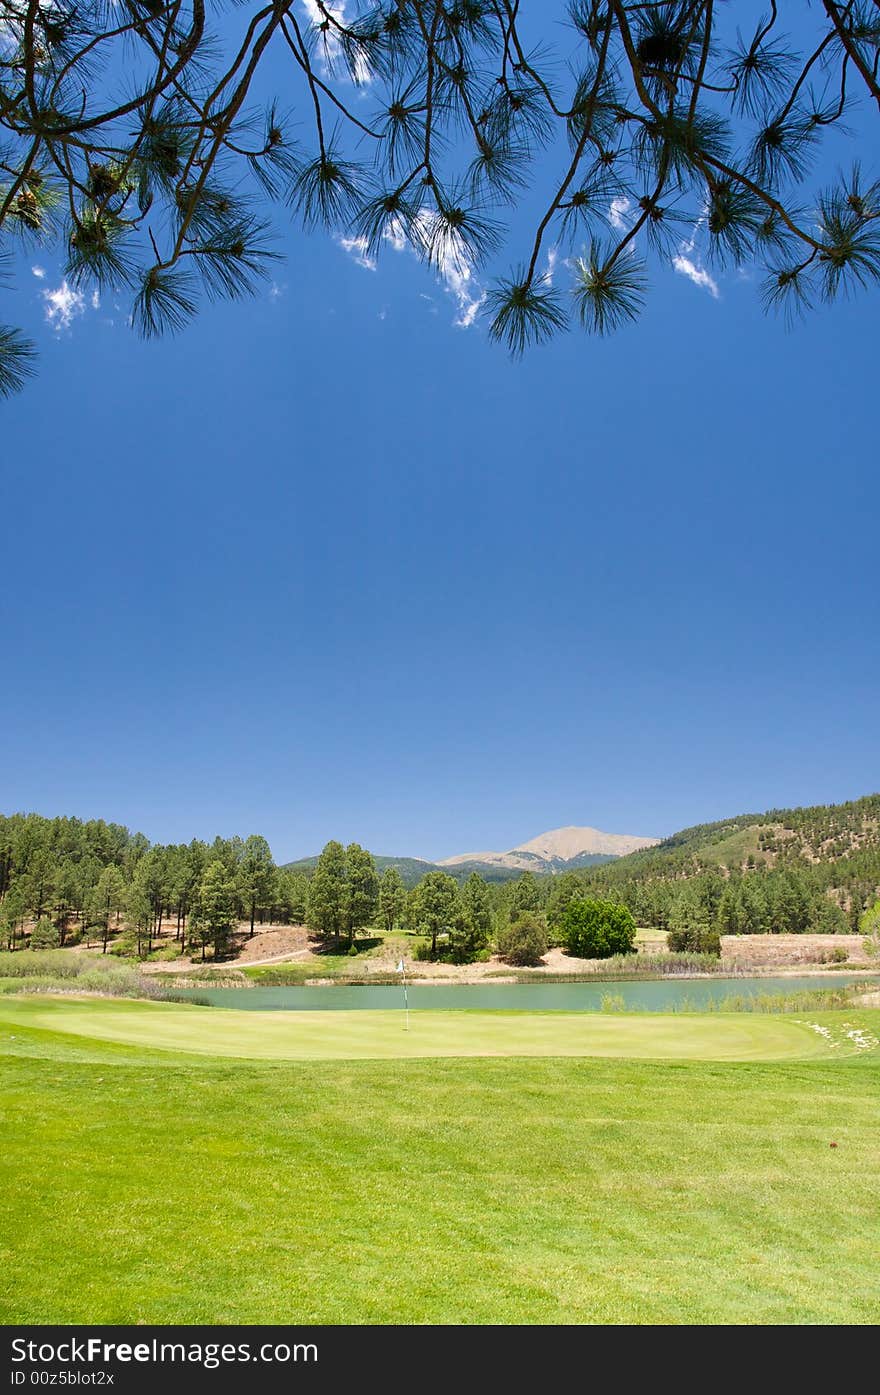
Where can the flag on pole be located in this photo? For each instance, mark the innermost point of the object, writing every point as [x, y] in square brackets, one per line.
[401, 969]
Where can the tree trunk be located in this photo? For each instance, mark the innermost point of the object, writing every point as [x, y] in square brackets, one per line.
[253, 909]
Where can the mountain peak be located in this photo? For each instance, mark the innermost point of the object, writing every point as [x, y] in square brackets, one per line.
[551, 851]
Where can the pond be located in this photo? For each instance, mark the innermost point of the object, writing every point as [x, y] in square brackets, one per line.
[645, 995]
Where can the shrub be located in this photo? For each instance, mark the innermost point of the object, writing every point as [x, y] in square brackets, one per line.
[524, 941]
[41, 963]
[125, 945]
[613, 1002]
[165, 955]
[45, 935]
[48, 972]
[837, 955]
[696, 938]
[593, 929]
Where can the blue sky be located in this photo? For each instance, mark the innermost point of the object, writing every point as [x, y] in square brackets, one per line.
[328, 565]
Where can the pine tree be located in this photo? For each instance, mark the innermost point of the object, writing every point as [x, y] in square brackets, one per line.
[525, 895]
[327, 910]
[392, 898]
[256, 876]
[433, 906]
[215, 913]
[14, 910]
[473, 923]
[45, 935]
[693, 131]
[569, 887]
[106, 901]
[363, 889]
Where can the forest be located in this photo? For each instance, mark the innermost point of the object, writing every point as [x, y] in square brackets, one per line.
[65, 881]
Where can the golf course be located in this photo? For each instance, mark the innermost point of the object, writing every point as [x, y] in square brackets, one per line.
[168, 1162]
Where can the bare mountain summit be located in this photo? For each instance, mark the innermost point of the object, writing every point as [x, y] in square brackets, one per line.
[556, 850]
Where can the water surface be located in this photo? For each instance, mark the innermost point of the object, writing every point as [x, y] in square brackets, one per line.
[645, 995]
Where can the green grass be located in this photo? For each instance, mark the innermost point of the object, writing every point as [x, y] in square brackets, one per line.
[154, 1185]
[369, 1034]
[366, 1034]
[733, 850]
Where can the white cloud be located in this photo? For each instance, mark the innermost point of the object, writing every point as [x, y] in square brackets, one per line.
[329, 40]
[451, 261]
[39, 273]
[395, 234]
[617, 213]
[63, 305]
[552, 259]
[456, 270]
[276, 291]
[465, 290]
[96, 300]
[700, 277]
[357, 247]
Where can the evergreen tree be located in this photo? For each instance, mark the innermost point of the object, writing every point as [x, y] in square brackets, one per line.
[525, 895]
[327, 910]
[828, 919]
[433, 905]
[45, 935]
[291, 895]
[569, 887]
[298, 897]
[728, 918]
[14, 911]
[363, 889]
[140, 916]
[256, 876]
[755, 910]
[392, 898]
[39, 881]
[107, 901]
[215, 913]
[691, 926]
[869, 926]
[195, 861]
[472, 928]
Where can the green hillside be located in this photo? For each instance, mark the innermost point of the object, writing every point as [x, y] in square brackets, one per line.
[812, 868]
[412, 869]
[820, 833]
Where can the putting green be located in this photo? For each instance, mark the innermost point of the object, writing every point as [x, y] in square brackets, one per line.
[368, 1035]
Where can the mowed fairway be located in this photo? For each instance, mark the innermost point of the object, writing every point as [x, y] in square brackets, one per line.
[367, 1034]
[175, 1178]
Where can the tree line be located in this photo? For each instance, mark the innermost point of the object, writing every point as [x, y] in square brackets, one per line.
[88, 879]
[66, 879]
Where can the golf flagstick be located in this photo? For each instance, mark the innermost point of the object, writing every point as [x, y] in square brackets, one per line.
[401, 969]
